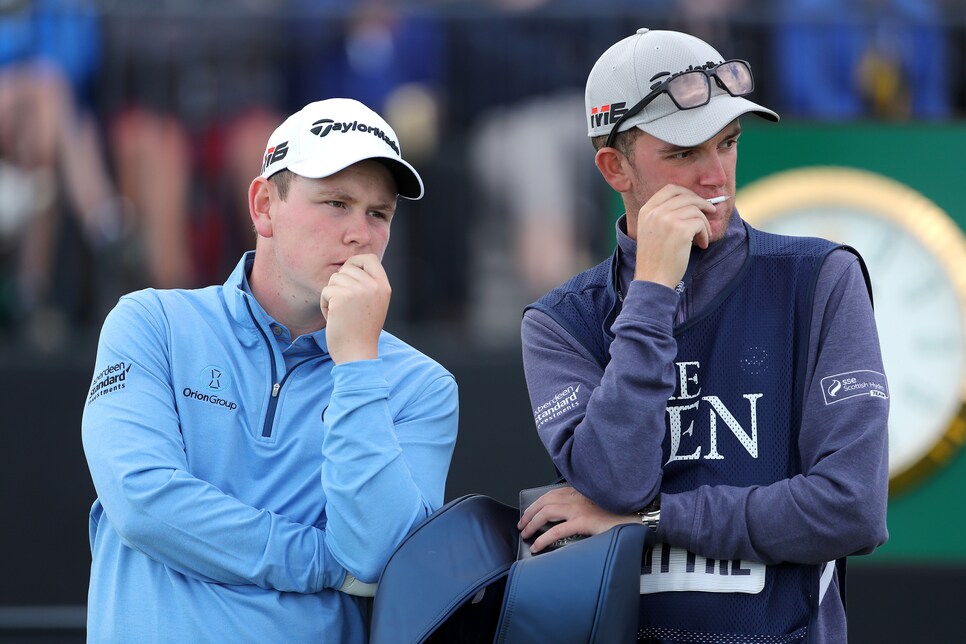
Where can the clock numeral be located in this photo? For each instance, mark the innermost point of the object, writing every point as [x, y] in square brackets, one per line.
[925, 289]
[915, 394]
[882, 254]
[936, 346]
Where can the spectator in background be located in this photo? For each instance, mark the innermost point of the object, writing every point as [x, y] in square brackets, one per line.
[534, 220]
[710, 20]
[529, 165]
[846, 59]
[193, 91]
[381, 56]
[393, 58]
[51, 159]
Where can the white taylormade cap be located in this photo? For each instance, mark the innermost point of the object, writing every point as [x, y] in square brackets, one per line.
[625, 73]
[328, 136]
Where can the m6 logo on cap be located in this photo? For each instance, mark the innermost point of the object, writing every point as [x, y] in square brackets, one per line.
[275, 153]
[607, 114]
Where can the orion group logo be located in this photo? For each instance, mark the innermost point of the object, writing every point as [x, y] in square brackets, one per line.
[214, 379]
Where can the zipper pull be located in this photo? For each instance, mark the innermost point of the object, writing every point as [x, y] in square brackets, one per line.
[275, 389]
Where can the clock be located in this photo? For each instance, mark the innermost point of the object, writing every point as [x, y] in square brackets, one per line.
[916, 256]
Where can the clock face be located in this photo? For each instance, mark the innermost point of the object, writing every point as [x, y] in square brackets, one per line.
[916, 257]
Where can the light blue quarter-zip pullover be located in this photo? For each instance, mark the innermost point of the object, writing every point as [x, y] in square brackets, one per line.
[241, 476]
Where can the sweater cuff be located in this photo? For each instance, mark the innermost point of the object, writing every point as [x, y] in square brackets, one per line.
[360, 374]
[678, 519]
[650, 301]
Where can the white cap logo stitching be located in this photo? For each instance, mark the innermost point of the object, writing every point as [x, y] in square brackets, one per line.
[322, 127]
[275, 153]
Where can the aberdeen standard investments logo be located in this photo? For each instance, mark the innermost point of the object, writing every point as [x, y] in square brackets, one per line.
[112, 378]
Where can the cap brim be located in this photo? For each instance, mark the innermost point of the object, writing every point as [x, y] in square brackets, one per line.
[408, 182]
[409, 185]
[688, 128]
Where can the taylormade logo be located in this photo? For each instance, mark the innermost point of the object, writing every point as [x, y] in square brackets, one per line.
[322, 127]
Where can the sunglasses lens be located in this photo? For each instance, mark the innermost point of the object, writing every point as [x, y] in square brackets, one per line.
[690, 89]
[693, 89]
[735, 76]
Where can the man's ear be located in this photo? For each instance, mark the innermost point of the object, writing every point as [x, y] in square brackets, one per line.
[614, 167]
[261, 195]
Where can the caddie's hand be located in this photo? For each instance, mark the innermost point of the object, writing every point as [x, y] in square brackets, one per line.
[354, 304]
[671, 221]
[577, 514]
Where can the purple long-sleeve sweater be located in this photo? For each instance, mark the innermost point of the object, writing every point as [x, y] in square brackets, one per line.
[607, 442]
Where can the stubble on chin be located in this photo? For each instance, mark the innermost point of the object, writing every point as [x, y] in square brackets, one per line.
[719, 227]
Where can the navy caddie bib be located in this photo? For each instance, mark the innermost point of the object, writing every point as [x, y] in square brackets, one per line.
[734, 420]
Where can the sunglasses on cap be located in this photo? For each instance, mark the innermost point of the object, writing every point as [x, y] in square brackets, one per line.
[692, 89]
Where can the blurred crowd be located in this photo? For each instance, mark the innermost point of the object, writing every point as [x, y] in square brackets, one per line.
[130, 130]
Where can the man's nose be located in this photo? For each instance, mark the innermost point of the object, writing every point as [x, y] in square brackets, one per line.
[713, 171]
[357, 229]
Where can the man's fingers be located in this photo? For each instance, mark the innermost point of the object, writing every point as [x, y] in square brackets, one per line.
[703, 236]
[532, 519]
[361, 271]
[350, 274]
[570, 512]
[555, 533]
[367, 263]
[545, 515]
[347, 278]
[555, 495]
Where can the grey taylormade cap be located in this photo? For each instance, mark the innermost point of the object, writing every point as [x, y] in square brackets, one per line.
[328, 136]
[624, 74]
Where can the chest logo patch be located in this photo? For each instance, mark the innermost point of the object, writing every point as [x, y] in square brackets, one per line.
[214, 378]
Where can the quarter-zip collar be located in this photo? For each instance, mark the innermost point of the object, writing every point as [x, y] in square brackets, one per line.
[237, 292]
[727, 255]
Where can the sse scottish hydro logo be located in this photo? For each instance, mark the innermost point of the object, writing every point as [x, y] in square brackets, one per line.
[854, 383]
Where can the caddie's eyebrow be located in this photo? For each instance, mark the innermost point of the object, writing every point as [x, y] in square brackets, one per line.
[731, 133]
[670, 148]
[734, 132]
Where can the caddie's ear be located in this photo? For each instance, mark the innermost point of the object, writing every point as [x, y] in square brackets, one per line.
[615, 168]
[261, 194]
